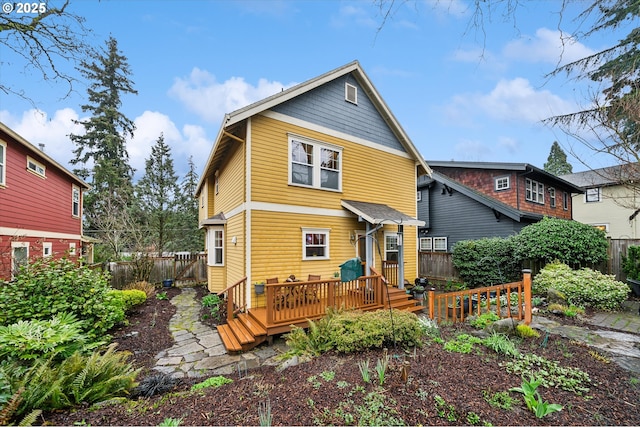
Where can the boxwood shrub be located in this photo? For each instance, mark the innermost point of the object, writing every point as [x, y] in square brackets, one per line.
[486, 262]
[49, 287]
[583, 288]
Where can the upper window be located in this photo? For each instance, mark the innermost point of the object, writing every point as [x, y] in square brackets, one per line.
[75, 201]
[565, 201]
[592, 195]
[552, 197]
[351, 93]
[534, 191]
[502, 183]
[315, 164]
[35, 166]
[315, 243]
[3, 162]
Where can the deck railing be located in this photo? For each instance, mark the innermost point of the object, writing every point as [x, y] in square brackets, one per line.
[293, 301]
[236, 298]
[510, 300]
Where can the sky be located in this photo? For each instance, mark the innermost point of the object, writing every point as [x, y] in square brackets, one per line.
[461, 92]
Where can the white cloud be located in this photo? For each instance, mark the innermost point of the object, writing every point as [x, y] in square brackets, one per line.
[210, 99]
[548, 46]
[350, 15]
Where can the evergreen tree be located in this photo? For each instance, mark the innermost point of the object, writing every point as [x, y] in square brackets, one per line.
[191, 236]
[557, 161]
[157, 194]
[100, 154]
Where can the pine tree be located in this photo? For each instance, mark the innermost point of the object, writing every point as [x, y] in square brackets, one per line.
[191, 236]
[157, 193]
[557, 161]
[100, 154]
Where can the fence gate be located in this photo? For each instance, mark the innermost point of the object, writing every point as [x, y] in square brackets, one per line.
[186, 267]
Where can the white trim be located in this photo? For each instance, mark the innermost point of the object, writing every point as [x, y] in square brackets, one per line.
[598, 195]
[248, 216]
[38, 168]
[334, 133]
[314, 230]
[316, 164]
[3, 172]
[295, 209]
[446, 244]
[211, 239]
[73, 190]
[384, 244]
[7, 231]
[426, 239]
[72, 248]
[501, 178]
[354, 88]
[47, 249]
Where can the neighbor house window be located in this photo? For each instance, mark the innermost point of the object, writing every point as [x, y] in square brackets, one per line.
[391, 246]
[502, 183]
[592, 195]
[426, 244]
[35, 166]
[215, 246]
[19, 256]
[534, 191]
[75, 201]
[47, 249]
[315, 164]
[552, 197]
[72, 248]
[315, 243]
[565, 201]
[419, 196]
[3, 163]
[440, 244]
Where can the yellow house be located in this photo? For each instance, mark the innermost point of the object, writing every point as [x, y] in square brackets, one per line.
[304, 180]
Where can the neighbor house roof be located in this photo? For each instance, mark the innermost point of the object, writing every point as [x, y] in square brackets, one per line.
[377, 213]
[244, 113]
[603, 177]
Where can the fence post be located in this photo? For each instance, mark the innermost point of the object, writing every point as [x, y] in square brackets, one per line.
[526, 284]
[432, 303]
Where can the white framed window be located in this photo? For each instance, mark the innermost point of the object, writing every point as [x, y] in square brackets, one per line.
[75, 201]
[419, 196]
[47, 249]
[314, 164]
[502, 183]
[552, 197]
[391, 246]
[426, 244]
[35, 167]
[534, 191]
[440, 244]
[565, 201]
[315, 243]
[592, 195]
[215, 246]
[603, 227]
[3, 163]
[72, 248]
[351, 93]
[19, 256]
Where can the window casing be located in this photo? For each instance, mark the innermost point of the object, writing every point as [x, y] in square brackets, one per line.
[315, 243]
[391, 246]
[351, 93]
[565, 201]
[3, 163]
[47, 249]
[36, 167]
[72, 248]
[426, 244]
[75, 201]
[592, 195]
[552, 197]
[419, 196]
[502, 183]
[534, 191]
[440, 244]
[314, 164]
[19, 256]
[215, 246]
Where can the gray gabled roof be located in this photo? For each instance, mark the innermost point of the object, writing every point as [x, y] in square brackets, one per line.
[377, 213]
[265, 104]
[603, 177]
[498, 206]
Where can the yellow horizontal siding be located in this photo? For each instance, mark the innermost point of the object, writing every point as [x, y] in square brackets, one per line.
[216, 279]
[235, 260]
[231, 179]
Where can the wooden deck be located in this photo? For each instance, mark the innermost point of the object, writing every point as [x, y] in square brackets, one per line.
[287, 304]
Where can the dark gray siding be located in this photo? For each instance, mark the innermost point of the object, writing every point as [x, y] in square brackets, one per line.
[458, 217]
[326, 106]
[423, 206]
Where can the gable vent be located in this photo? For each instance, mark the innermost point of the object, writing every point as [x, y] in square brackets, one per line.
[351, 93]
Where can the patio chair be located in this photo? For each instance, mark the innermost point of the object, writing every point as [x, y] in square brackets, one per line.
[279, 297]
[311, 292]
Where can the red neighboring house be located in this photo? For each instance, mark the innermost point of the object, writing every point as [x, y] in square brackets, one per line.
[40, 205]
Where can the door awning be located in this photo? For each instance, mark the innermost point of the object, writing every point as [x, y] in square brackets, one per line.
[377, 213]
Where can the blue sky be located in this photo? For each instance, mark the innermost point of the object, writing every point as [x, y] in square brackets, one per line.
[459, 93]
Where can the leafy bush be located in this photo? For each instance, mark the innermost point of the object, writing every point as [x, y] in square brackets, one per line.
[568, 241]
[483, 320]
[583, 288]
[526, 331]
[486, 262]
[48, 287]
[143, 286]
[59, 336]
[213, 302]
[350, 331]
[132, 297]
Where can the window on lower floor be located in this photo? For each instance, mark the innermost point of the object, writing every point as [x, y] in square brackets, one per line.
[391, 246]
[47, 249]
[19, 256]
[315, 243]
[215, 246]
[72, 248]
[426, 244]
[440, 244]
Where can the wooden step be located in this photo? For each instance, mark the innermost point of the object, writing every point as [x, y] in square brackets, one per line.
[252, 325]
[243, 335]
[229, 340]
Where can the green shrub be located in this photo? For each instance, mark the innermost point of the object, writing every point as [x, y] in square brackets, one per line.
[568, 241]
[485, 319]
[526, 331]
[486, 262]
[213, 303]
[132, 297]
[350, 331]
[216, 381]
[48, 287]
[583, 288]
[143, 286]
[59, 336]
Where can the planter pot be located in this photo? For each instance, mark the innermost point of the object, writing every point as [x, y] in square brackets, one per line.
[635, 286]
[419, 297]
[259, 288]
[167, 283]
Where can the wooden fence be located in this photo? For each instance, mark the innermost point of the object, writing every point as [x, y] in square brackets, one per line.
[180, 268]
[438, 266]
